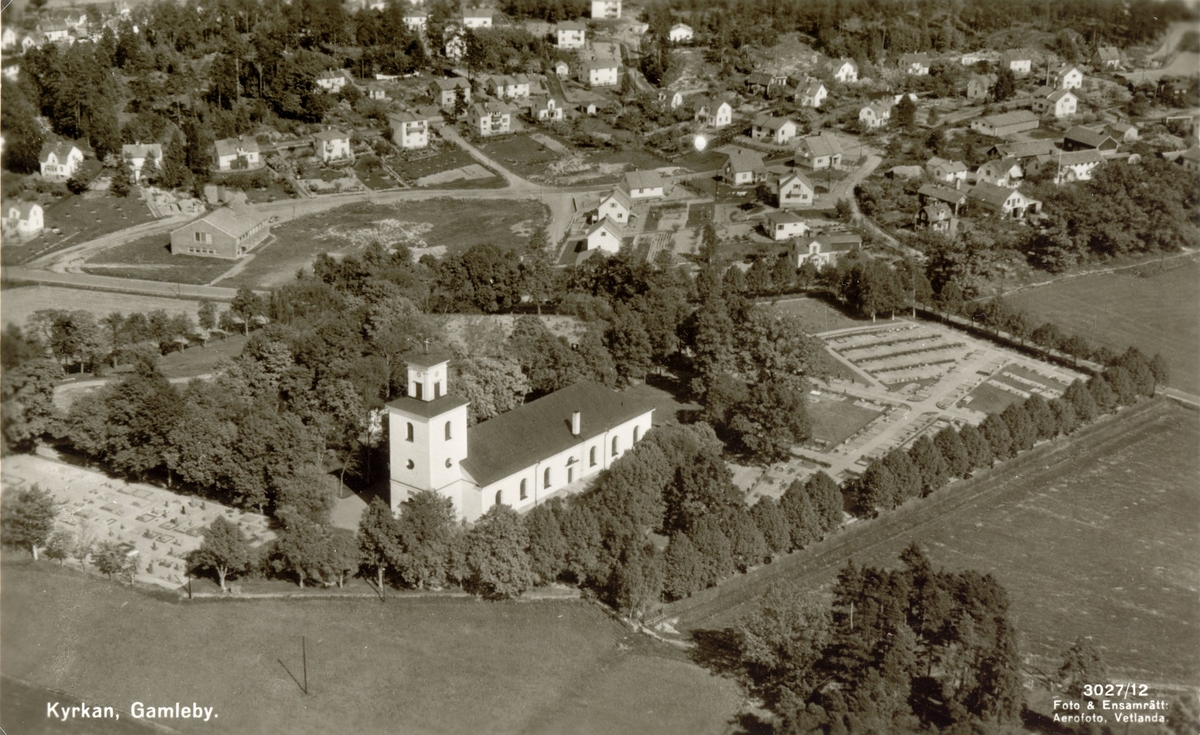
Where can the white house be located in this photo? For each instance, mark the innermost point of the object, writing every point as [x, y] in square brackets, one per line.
[1060, 103]
[571, 34]
[644, 185]
[9, 38]
[819, 151]
[409, 130]
[1005, 202]
[1018, 61]
[332, 80]
[681, 33]
[60, 160]
[520, 458]
[561, 69]
[1063, 168]
[811, 94]
[782, 225]
[599, 72]
[915, 64]
[1190, 160]
[823, 249]
[416, 21]
[137, 155]
[952, 172]
[605, 235]
[744, 167]
[671, 100]
[445, 92]
[609, 9]
[25, 218]
[795, 190]
[477, 18]
[712, 114]
[875, 115]
[1068, 76]
[546, 108]
[56, 32]
[617, 206]
[490, 117]
[333, 146]
[778, 130]
[844, 70]
[236, 153]
[1122, 132]
[1005, 172]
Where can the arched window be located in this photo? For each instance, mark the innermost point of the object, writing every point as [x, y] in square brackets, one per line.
[637, 434]
[499, 497]
[546, 478]
[410, 431]
[592, 457]
[614, 449]
[524, 493]
[410, 464]
[448, 432]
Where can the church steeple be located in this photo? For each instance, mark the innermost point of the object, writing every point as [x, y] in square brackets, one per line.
[427, 377]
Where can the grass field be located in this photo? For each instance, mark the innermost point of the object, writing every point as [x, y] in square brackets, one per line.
[411, 169]
[80, 218]
[834, 421]
[1092, 536]
[17, 304]
[423, 666]
[520, 154]
[1156, 313]
[817, 316]
[149, 258]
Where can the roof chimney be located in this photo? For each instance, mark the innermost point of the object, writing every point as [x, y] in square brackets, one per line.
[575, 421]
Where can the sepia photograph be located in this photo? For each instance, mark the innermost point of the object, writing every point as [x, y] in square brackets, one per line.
[600, 367]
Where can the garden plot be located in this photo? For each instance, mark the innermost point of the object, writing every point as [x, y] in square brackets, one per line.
[902, 355]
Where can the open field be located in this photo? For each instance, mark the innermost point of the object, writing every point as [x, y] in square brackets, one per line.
[422, 666]
[17, 304]
[1093, 535]
[150, 258]
[81, 218]
[834, 420]
[817, 316]
[520, 154]
[1156, 313]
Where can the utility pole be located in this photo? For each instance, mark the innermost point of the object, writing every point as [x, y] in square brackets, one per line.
[304, 660]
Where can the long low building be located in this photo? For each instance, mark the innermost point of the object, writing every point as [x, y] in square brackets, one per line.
[228, 232]
[1008, 123]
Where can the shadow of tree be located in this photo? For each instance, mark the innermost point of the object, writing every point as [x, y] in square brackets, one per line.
[719, 651]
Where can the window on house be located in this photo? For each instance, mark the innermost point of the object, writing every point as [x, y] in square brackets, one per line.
[410, 464]
[546, 478]
[637, 433]
[448, 432]
[499, 497]
[410, 431]
[592, 457]
[614, 446]
[524, 492]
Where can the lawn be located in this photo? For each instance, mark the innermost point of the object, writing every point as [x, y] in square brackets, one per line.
[520, 154]
[150, 258]
[1092, 536]
[816, 315]
[990, 399]
[412, 166]
[80, 218]
[373, 176]
[835, 421]
[1155, 312]
[17, 304]
[418, 666]
[198, 360]
[434, 225]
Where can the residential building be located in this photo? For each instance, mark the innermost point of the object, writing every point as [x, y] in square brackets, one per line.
[561, 69]
[1080, 138]
[1022, 150]
[1006, 123]
[410, 130]
[979, 86]
[1065, 167]
[1018, 61]
[795, 190]
[333, 146]
[1107, 57]
[376, 92]
[875, 115]
[936, 216]
[137, 155]
[951, 172]
[227, 232]
[236, 154]
[608, 9]
[844, 70]
[23, 218]
[599, 72]
[605, 235]
[644, 185]
[681, 33]
[1122, 132]
[915, 64]
[507, 87]
[546, 108]
[1068, 76]
[818, 152]
[617, 206]
[416, 21]
[783, 225]
[59, 160]
[823, 249]
[445, 92]
[56, 32]
[672, 100]
[1005, 172]
[811, 94]
[778, 130]
[1004, 202]
[1060, 103]
[477, 18]
[490, 117]
[571, 34]
[9, 39]
[744, 167]
[520, 458]
[930, 193]
[1190, 160]
[331, 80]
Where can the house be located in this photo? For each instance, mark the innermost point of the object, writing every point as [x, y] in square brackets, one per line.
[1190, 160]
[936, 216]
[137, 155]
[599, 72]
[416, 21]
[605, 235]
[561, 69]
[1022, 150]
[56, 32]
[332, 81]
[778, 130]
[671, 100]
[744, 167]
[617, 206]
[1018, 61]
[609, 9]
[1080, 138]
[979, 86]
[1068, 76]
[1004, 202]
[712, 114]
[507, 87]
[843, 70]
[823, 249]
[376, 92]
[915, 64]
[520, 458]
[1006, 123]
[875, 115]
[409, 129]
[783, 225]
[227, 232]
[9, 39]
[681, 33]
[1107, 57]
[952, 172]
[817, 152]
[904, 172]
[1005, 172]
[971, 58]
[445, 92]
[1122, 132]
[1065, 167]
[238, 153]
[31, 41]
[930, 193]
[811, 94]
[490, 117]
[60, 160]
[758, 82]
[333, 146]
[1060, 103]
[477, 18]
[24, 218]
[795, 190]
[644, 185]
[546, 108]
[571, 34]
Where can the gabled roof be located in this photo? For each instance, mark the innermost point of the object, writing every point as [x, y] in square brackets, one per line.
[760, 78]
[1072, 158]
[61, 149]
[24, 209]
[332, 74]
[796, 175]
[834, 65]
[834, 241]
[233, 221]
[453, 83]
[141, 150]
[1009, 118]
[1067, 69]
[946, 165]
[681, 27]
[817, 146]
[1120, 128]
[1087, 136]
[1192, 154]
[991, 194]
[541, 429]
[771, 122]
[643, 180]
[1058, 94]
[230, 146]
[783, 217]
[606, 224]
[331, 135]
[985, 79]
[599, 63]
[881, 108]
[1108, 53]
[571, 25]
[408, 116]
[812, 88]
[910, 59]
[999, 165]
[621, 196]
[937, 211]
[1026, 148]
[478, 13]
[942, 193]
[1015, 54]
[742, 160]
[490, 107]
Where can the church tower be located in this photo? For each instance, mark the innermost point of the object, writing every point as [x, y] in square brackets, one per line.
[427, 433]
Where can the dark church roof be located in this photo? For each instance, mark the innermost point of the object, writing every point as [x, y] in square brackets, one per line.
[428, 409]
[540, 429]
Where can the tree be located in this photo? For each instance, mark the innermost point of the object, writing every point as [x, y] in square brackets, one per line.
[979, 452]
[1042, 417]
[225, 550]
[302, 549]
[1022, 429]
[684, 568]
[803, 518]
[1005, 85]
[27, 411]
[378, 539]
[716, 554]
[877, 488]
[1082, 402]
[701, 488]
[496, 555]
[953, 452]
[905, 112]
[930, 464]
[60, 545]
[424, 529]
[247, 305]
[28, 519]
[826, 499]
[783, 640]
[772, 524]
[1081, 666]
[112, 559]
[122, 180]
[629, 344]
[998, 436]
[771, 420]
[547, 545]
[636, 583]
[1103, 394]
[746, 542]
[907, 474]
[206, 316]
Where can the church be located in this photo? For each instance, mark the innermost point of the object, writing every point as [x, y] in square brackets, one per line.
[519, 458]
